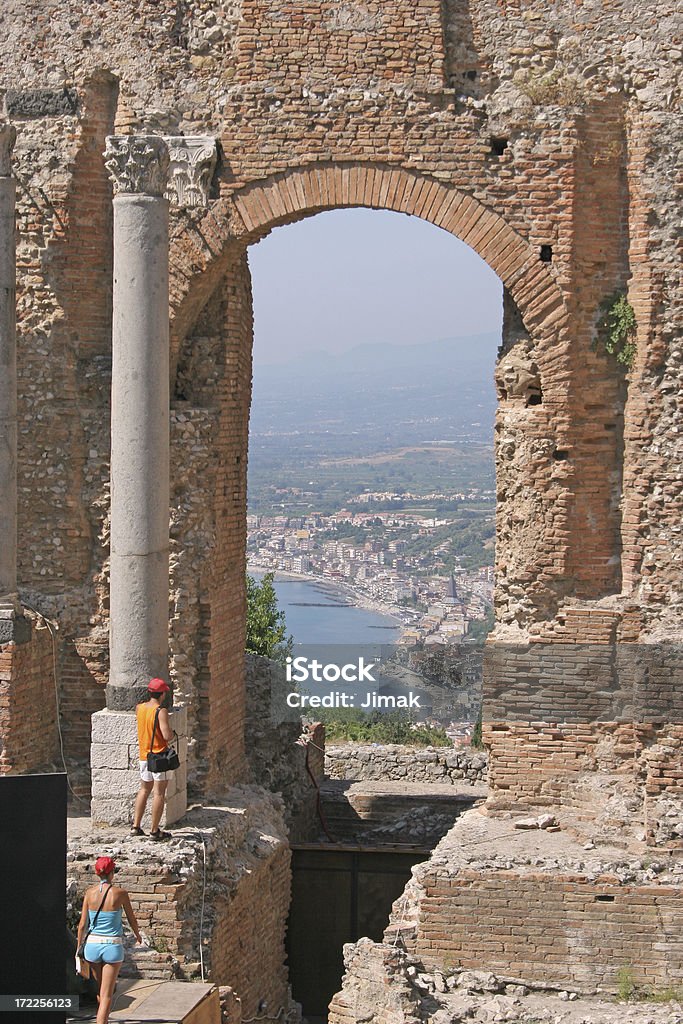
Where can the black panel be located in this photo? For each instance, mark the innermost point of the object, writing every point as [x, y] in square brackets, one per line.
[33, 889]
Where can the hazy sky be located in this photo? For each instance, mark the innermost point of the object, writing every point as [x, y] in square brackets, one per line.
[349, 277]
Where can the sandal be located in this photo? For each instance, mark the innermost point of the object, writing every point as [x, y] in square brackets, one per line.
[136, 831]
[159, 836]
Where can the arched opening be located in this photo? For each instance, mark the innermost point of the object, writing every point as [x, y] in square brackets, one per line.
[371, 474]
[557, 528]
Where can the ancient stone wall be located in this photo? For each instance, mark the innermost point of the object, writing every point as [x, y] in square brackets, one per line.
[541, 134]
[277, 760]
[564, 907]
[565, 930]
[384, 982]
[404, 764]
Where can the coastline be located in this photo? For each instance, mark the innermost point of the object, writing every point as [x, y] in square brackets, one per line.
[360, 600]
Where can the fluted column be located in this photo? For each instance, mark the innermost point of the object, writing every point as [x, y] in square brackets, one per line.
[139, 419]
[12, 624]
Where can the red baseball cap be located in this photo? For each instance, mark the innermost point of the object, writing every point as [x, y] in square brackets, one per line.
[158, 686]
[104, 865]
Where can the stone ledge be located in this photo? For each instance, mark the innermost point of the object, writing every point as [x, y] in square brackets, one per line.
[16, 630]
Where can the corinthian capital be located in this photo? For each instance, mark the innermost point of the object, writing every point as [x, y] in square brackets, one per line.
[193, 160]
[137, 164]
[8, 134]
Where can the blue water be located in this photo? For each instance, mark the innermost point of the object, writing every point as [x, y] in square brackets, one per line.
[329, 624]
[339, 635]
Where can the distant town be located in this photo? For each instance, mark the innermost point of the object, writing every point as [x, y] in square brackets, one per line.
[400, 561]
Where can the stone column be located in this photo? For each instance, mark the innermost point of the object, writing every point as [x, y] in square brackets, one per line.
[139, 567]
[139, 419]
[13, 626]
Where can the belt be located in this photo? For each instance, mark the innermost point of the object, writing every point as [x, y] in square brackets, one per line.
[107, 939]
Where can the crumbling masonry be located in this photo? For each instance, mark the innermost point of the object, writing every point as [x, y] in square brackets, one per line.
[543, 134]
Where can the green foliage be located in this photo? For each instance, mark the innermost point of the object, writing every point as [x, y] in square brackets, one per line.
[375, 727]
[480, 628]
[266, 628]
[616, 328]
[476, 740]
[625, 984]
[628, 991]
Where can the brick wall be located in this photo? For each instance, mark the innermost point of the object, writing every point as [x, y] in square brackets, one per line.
[28, 704]
[82, 667]
[562, 928]
[276, 760]
[248, 941]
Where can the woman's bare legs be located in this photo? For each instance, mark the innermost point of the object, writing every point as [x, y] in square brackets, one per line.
[109, 974]
[97, 973]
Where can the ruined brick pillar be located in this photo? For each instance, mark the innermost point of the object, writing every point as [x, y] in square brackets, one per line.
[138, 623]
[13, 626]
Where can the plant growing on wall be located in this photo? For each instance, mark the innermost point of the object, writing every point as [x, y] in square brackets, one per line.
[616, 328]
[266, 628]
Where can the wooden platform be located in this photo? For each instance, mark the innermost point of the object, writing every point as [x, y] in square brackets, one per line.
[164, 1002]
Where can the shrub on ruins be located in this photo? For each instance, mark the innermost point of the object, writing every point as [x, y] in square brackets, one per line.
[616, 328]
[266, 626]
[358, 726]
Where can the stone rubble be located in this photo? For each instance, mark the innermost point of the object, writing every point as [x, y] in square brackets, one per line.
[383, 983]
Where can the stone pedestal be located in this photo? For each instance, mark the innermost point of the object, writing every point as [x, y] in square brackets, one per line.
[115, 767]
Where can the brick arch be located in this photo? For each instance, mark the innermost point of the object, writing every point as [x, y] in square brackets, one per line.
[252, 211]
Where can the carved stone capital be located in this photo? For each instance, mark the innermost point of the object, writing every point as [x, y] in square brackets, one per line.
[8, 135]
[137, 164]
[193, 161]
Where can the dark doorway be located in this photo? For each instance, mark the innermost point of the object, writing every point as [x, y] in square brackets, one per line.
[339, 894]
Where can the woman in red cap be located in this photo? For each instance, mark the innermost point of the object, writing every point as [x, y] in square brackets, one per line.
[154, 734]
[101, 926]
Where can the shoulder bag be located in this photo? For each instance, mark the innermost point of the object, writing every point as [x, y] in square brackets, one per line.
[165, 760]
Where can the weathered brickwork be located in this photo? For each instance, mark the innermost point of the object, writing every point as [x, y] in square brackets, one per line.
[538, 135]
[385, 983]
[225, 878]
[28, 714]
[277, 760]
[544, 135]
[563, 929]
[555, 908]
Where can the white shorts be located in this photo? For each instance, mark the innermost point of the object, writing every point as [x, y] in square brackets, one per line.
[147, 776]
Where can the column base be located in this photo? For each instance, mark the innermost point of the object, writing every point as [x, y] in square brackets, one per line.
[114, 762]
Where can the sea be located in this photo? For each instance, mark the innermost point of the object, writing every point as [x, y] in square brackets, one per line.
[324, 623]
[320, 613]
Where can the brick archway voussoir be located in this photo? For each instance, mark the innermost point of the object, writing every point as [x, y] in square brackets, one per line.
[290, 196]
